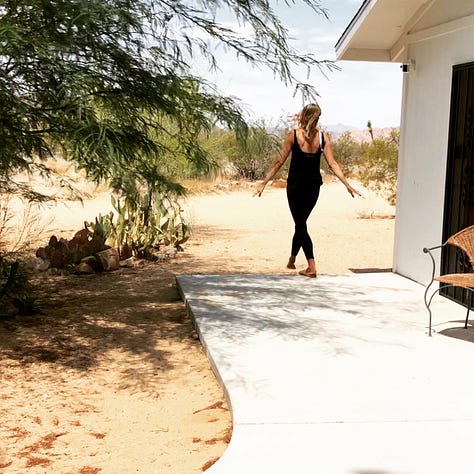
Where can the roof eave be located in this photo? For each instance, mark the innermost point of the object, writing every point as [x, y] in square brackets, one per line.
[358, 54]
[343, 42]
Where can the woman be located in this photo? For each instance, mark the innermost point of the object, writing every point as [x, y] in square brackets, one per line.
[306, 144]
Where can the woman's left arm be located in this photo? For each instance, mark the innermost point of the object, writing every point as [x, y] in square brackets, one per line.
[334, 165]
[285, 151]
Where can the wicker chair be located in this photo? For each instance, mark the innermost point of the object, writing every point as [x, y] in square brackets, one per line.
[464, 239]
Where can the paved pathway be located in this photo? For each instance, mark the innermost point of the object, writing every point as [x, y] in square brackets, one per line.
[337, 375]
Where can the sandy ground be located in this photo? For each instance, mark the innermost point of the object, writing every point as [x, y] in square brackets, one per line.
[236, 232]
[111, 378]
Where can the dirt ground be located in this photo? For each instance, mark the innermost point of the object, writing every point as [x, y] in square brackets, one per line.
[111, 377]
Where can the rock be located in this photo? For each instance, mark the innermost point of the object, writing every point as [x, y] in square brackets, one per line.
[56, 257]
[37, 264]
[95, 245]
[81, 237]
[53, 241]
[84, 268]
[92, 261]
[125, 252]
[109, 259]
[57, 271]
[171, 251]
[128, 263]
[41, 253]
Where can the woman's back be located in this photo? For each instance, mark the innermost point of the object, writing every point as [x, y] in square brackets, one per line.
[305, 160]
[307, 146]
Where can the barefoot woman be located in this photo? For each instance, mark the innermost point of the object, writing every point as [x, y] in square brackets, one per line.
[306, 144]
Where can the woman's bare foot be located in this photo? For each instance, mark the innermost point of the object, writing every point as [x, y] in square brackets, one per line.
[291, 263]
[308, 273]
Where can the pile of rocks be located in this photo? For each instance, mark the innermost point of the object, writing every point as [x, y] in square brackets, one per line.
[81, 254]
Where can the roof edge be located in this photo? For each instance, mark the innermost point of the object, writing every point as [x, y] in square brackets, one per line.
[360, 13]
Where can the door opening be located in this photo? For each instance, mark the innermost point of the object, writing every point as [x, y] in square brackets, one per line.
[459, 186]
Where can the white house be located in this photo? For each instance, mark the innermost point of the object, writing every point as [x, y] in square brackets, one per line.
[434, 43]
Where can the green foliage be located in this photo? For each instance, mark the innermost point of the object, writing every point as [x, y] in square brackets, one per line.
[222, 147]
[253, 157]
[102, 227]
[347, 152]
[379, 164]
[373, 163]
[109, 86]
[17, 232]
[15, 290]
[142, 224]
[156, 219]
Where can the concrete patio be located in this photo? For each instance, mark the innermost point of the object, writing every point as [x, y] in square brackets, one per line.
[337, 374]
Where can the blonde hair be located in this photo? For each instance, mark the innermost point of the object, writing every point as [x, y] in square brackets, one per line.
[308, 120]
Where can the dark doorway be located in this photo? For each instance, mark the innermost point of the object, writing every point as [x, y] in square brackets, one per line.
[459, 186]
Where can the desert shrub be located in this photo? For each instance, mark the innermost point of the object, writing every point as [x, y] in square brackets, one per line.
[18, 232]
[16, 297]
[348, 153]
[142, 224]
[156, 219]
[379, 164]
[255, 155]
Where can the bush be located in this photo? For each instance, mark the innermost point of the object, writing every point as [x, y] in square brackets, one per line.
[257, 153]
[378, 169]
[17, 233]
[348, 153]
[143, 223]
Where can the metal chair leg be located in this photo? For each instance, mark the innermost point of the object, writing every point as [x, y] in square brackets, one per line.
[468, 308]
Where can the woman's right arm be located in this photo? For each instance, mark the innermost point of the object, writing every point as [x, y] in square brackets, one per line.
[333, 164]
[285, 151]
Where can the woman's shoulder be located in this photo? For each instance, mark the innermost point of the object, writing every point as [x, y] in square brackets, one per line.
[291, 135]
[327, 137]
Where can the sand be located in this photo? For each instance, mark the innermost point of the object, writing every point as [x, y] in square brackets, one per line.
[111, 377]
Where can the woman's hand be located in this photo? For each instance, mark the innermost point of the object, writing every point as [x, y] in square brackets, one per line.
[258, 192]
[352, 191]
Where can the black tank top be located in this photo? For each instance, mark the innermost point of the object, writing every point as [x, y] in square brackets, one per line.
[305, 167]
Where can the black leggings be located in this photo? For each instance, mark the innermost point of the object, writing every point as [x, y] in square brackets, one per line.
[302, 200]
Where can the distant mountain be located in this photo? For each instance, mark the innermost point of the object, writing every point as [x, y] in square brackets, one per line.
[364, 135]
[338, 129]
[358, 135]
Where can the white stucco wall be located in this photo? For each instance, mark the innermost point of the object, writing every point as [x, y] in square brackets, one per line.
[423, 149]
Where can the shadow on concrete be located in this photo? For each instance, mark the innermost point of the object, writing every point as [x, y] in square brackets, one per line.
[459, 332]
[370, 270]
[239, 307]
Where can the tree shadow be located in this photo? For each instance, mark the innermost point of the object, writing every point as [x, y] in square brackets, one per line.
[131, 315]
[238, 307]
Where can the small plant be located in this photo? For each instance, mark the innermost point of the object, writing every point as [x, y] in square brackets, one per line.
[18, 232]
[142, 225]
[379, 164]
[15, 290]
[102, 227]
[253, 156]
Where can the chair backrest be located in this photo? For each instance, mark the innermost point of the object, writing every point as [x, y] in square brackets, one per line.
[464, 239]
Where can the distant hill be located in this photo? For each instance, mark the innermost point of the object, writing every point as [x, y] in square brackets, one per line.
[338, 129]
[364, 135]
[357, 134]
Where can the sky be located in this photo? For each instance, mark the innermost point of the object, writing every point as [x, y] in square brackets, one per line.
[359, 92]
